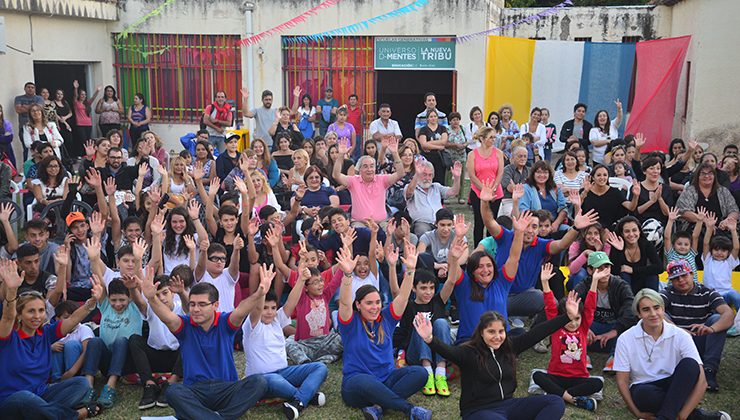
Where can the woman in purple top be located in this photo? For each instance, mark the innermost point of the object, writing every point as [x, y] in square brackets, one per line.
[344, 130]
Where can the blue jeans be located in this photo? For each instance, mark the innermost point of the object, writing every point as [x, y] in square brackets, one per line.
[306, 377]
[575, 278]
[56, 402]
[364, 390]
[710, 346]
[733, 299]
[529, 302]
[599, 328]
[216, 400]
[109, 360]
[537, 407]
[63, 360]
[418, 350]
[665, 398]
[649, 281]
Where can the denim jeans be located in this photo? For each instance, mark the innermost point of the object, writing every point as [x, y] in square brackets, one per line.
[599, 328]
[110, 361]
[710, 346]
[575, 278]
[300, 382]
[63, 360]
[649, 281]
[216, 400]
[665, 398]
[536, 407]
[418, 350]
[527, 303]
[364, 390]
[733, 299]
[57, 402]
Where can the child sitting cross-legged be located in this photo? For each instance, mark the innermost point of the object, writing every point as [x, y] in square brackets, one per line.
[68, 353]
[264, 350]
[567, 375]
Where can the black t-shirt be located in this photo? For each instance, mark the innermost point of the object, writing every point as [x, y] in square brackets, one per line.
[608, 205]
[284, 162]
[710, 203]
[435, 310]
[654, 212]
[243, 254]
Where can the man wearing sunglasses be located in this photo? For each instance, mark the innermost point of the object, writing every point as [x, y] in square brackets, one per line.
[211, 268]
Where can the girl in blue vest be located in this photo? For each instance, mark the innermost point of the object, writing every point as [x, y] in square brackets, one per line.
[371, 381]
[25, 349]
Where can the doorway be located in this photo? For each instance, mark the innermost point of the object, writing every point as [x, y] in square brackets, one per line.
[404, 91]
[60, 75]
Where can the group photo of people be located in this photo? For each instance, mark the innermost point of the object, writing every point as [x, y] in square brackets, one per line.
[328, 261]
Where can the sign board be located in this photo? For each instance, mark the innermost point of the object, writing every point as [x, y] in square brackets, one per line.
[413, 53]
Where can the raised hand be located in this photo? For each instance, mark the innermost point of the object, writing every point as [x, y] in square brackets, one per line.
[155, 194]
[390, 227]
[602, 273]
[240, 185]
[348, 238]
[140, 246]
[176, 285]
[157, 226]
[456, 169]
[572, 305]
[6, 210]
[423, 327]
[92, 246]
[266, 276]
[97, 225]
[575, 198]
[457, 249]
[522, 222]
[203, 245]
[89, 148]
[582, 221]
[76, 84]
[486, 193]
[97, 288]
[618, 103]
[393, 145]
[162, 169]
[61, 257]
[374, 228]
[148, 288]
[639, 140]
[410, 255]
[110, 186]
[143, 169]
[238, 243]
[93, 178]
[673, 214]
[245, 93]
[189, 241]
[213, 187]
[546, 273]
[461, 228]
[198, 172]
[343, 149]
[254, 226]
[518, 192]
[9, 274]
[711, 219]
[297, 91]
[194, 210]
[692, 144]
[300, 191]
[636, 187]
[391, 256]
[615, 240]
[345, 262]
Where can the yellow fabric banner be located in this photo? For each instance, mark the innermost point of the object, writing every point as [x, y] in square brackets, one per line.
[509, 63]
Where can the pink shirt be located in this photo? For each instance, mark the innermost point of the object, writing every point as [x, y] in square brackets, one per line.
[312, 313]
[81, 116]
[368, 198]
[485, 169]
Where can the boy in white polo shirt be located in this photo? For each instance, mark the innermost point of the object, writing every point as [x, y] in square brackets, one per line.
[658, 367]
[210, 269]
[264, 350]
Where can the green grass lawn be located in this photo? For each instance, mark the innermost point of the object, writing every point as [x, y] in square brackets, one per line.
[611, 407]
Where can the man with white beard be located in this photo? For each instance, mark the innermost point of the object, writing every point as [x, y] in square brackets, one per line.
[424, 197]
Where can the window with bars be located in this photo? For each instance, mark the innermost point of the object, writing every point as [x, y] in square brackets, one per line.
[177, 74]
[344, 63]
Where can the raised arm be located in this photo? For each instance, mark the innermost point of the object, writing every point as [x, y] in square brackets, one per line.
[304, 275]
[512, 263]
[486, 196]
[245, 103]
[409, 260]
[397, 163]
[337, 174]
[11, 281]
[347, 264]
[580, 221]
[194, 213]
[61, 260]
[454, 271]
[97, 292]
[618, 120]
[711, 221]
[170, 319]
[247, 305]
[235, 254]
[732, 225]
[668, 231]
[6, 210]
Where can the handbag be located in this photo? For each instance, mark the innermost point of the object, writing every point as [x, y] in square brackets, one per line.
[446, 159]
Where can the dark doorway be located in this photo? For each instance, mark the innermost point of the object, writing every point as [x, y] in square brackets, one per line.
[55, 76]
[404, 91]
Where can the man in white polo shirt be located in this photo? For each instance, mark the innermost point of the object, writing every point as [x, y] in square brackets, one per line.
[658, 367]
[385, 127]
[424, 197]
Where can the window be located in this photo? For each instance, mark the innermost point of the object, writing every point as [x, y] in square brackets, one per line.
[631, 39]
[582, 39]
[178, 74]
[345, 63]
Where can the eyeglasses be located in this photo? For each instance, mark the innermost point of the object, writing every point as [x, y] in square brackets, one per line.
[201, 305]
[217, 259]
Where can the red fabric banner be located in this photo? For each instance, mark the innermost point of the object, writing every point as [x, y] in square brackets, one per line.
[659, 65]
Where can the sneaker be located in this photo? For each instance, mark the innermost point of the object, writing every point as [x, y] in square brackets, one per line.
[131, 379]
[292, 409]
[609, 365]
[149, 396]
[107, 397]
[429, 387]
[589, 366]
[420, 413]
[516, 323]
[318, 400]
[88, 398]
[542, 346]
[585, 403]
[733, 332]
[440, 383]
[401, 359]
[162, 398]
[702, 414]
[373, 412]
[711, 375]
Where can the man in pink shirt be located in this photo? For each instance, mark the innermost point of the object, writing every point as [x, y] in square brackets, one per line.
[368, 190]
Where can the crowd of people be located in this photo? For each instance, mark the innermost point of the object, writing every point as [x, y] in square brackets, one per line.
[332, 237]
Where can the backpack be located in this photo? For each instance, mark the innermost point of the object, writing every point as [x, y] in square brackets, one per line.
[306, 126]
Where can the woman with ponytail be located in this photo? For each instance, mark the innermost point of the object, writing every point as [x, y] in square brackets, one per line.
[370, 380]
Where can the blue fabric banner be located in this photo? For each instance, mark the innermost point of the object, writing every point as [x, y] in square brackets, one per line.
[606, 76]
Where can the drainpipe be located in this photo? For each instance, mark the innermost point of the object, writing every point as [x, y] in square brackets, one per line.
[248, 8]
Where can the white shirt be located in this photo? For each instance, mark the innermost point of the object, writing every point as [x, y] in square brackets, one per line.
[598, 152]
[718, 274]
[635, 345]
[81, 333]
[225, 285]
[377, 127]
[264, 345]
[160, 337]
[540, 137]
[358, 282]
[171, 261]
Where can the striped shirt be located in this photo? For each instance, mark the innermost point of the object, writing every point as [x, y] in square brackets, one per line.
[694, 307]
